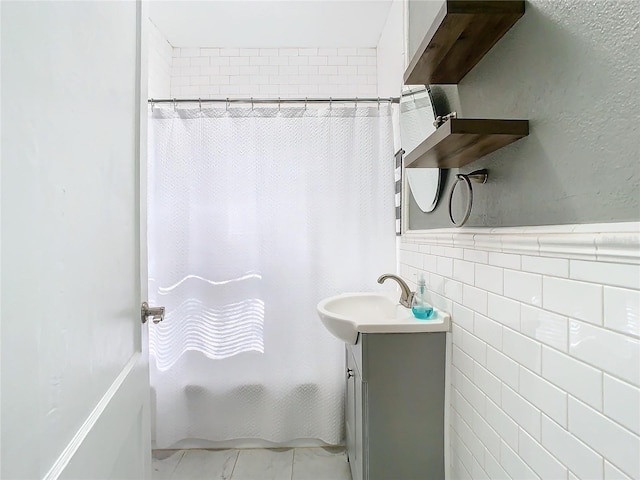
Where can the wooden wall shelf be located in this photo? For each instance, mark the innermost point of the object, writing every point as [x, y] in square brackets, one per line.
[462, 33]
[461, 141]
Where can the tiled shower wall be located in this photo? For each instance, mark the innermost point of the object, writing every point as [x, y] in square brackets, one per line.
[273, 72]
[545, 370]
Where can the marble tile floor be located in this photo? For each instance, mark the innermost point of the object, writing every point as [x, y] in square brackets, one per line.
[323, 463]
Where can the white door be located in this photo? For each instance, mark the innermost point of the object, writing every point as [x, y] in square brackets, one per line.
[74, 389]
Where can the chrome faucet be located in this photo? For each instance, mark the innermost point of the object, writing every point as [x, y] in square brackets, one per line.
[407, 295]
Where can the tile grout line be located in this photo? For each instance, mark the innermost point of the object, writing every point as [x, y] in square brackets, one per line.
[177, 463]
[234, 463]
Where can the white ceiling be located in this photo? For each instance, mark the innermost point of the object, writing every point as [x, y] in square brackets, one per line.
[269, 23]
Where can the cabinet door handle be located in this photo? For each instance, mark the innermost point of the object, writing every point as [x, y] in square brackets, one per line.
[349, 373]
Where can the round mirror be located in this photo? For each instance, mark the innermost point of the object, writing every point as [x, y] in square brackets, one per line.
[416, 124]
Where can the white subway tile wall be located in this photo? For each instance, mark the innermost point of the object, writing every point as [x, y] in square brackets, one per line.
[273, 72]
[524, 413]
[622, 403]
[545, 376]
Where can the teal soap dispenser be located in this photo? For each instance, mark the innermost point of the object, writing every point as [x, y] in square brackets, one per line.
[421, 309]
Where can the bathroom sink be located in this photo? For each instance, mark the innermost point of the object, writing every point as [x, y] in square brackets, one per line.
[348, 314]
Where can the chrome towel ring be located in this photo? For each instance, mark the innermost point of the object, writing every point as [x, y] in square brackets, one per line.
[478, 176]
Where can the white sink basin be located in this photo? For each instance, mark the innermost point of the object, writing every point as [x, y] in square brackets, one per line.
[350, 313]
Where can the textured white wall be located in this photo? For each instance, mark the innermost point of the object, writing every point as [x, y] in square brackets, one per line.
[160, 57]
[545, 378]
[273, 72]
[271, 24]
[572, 68]
[390, 52]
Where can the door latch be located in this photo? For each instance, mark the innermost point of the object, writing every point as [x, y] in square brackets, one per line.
[157, 313]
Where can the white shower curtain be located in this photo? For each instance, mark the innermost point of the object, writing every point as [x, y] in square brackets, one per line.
[254, 216]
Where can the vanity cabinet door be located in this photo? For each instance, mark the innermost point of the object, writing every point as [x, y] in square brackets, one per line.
[403, 403]
[394, 409]
[353, 416]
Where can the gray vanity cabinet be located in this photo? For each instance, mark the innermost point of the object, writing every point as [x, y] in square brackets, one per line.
[394, 410]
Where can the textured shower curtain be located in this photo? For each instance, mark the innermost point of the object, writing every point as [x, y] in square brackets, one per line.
[254, 216]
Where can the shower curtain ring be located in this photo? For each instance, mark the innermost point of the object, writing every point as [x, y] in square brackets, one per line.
[305, 102]
[200, 103]
[378, 103]
[252, 103]
[330, 103]
[174, 104]
[279, 103]
[356, 102]
[152, 104]
[227, 105]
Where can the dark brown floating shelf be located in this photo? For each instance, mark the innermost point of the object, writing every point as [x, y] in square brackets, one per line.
[462, 33]
[460, 141]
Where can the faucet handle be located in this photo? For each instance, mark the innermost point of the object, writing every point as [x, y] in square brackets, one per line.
[407, 295]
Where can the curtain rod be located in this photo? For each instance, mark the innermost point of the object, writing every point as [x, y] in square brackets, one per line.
[252, 101]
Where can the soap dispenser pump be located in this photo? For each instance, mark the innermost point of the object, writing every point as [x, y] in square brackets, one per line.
[421, 309]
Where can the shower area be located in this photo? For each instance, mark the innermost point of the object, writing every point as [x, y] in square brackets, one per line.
[270, 186]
